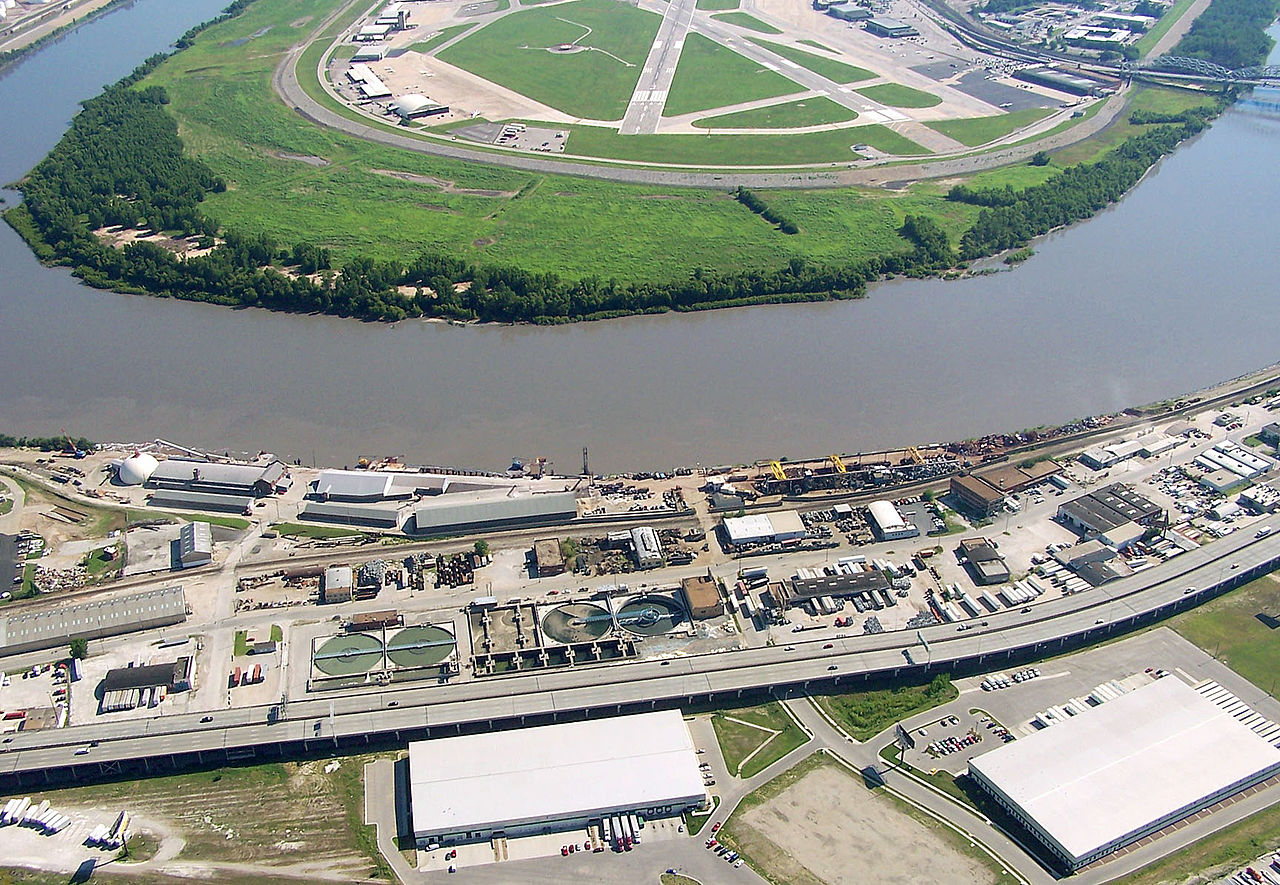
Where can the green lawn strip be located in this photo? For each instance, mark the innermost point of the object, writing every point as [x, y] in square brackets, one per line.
[444, 36]
[228, 522]
[98, 566]
[711, 76]
[980, 130]
[716, 5]
[864, 714]
[6, 505]
[895, 95]
[512, 52]
[738, 741]
[677, 879]
[1215, 855]
[1162, 26]
[815, 111]
[743, 20]
[836, 71]
[241, 643]
[815, 44]
[1228, 628]
[830, 146]
[319, 532]
[349, 789]
[277, 633]
[693, 823]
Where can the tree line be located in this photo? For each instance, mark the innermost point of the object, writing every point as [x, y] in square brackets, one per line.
[47, 443]
[752, 201]
[1231, 33]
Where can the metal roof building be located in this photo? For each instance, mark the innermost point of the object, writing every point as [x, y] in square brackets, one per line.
[1102, 510]
[757, 528]
[195, 544]
[31, 631]
[1121, 771]
[552, 778]
[888, 523]
[350, 514]
[357, 486]
[647, 546]
[223, 479]
[172, 499]
[495, 513]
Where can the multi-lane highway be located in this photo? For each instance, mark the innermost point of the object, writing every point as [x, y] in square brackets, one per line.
[360, 717]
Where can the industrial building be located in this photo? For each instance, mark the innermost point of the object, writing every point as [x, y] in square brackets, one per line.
[976, 496]
[882, 26]
[848, 12]
[1012, 478]
[547, 557]
[350, 514]
[136, 469]
[1270, 434]
[984, 561]
[126, 688]
[551, 778]
[31, 631]
[367, 82]
[357, 486]
[887, 522]
[1059, 80]
[702, 596]
[494, 513]
[413, 106]
[1124, 770]
[173, 499]
[1235, 458]
[1102, 510]
[648, 549]
[801, 590]
[338, 585]
[252, 480]
[764, 528]
[195, 545]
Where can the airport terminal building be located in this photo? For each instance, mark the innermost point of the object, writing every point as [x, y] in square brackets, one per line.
[552, 778]
[1122, 771]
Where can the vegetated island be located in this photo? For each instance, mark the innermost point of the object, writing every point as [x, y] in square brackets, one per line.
[122, 167]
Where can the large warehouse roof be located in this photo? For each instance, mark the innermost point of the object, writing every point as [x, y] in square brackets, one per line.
[783, 524]
[497, 511]
[92, 620]
[1111, 771]
[886, 516]
[354, 484]
[551, 772]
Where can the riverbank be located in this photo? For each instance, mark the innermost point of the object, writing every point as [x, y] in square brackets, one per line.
[39, 29]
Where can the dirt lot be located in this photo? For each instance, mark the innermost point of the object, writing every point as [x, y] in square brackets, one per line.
[827, 827]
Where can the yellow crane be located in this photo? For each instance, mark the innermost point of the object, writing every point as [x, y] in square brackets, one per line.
[838, 464]
[915, 455]
[778, 473]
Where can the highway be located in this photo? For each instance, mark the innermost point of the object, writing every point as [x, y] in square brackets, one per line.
[399, 714]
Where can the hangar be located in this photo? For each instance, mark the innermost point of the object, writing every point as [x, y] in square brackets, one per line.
[888, 523]
[1119, 772]
[552, 778]
[413, 106]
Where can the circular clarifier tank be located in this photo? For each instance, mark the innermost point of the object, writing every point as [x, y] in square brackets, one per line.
[576, 622]
[422, 646]
[348, 655]
[651, 616]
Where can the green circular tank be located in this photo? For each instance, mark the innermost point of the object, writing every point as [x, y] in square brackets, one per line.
[348, 655]
[651, 616]
[423, 646]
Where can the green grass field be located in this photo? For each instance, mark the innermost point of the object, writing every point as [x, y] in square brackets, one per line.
[595, 84]
[864, 714]
[716, 5]
[1162, 101]
[1228, 628]
[815, 44]
[230, 118]
[788, 115]
[750, 22]
[895, 95]
[444, 36]
[980, 130]
[836, 71]
[748, 750]
[711, 76]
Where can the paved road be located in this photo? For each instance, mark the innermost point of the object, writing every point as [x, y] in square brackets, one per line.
[644, 113]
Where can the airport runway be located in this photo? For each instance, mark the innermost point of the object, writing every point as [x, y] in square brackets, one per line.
[645, 110]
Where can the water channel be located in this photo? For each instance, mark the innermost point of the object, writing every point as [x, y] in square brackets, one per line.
[1169, 291]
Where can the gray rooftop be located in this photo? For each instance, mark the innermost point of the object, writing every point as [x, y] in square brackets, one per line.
[29, 631]
[558, 506]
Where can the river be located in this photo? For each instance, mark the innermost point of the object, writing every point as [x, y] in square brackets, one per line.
[1169, 291]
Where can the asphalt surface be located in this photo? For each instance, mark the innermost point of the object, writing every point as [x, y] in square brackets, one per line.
[644, 113]
[347, 718]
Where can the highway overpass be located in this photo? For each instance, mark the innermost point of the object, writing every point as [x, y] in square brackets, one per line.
[395, 715]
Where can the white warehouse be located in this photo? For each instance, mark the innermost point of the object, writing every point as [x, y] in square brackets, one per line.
[888, 523]
[552, 778]
[762, 528]
[1119, 772]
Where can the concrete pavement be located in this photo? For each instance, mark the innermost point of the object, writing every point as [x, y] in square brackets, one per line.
[644, 112]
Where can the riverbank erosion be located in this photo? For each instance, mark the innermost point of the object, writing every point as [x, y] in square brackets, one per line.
[553, 249]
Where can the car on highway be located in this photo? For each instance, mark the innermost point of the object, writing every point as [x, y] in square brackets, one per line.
[1263, 532]
[829, 645]
[206, 718]
[833, 667]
